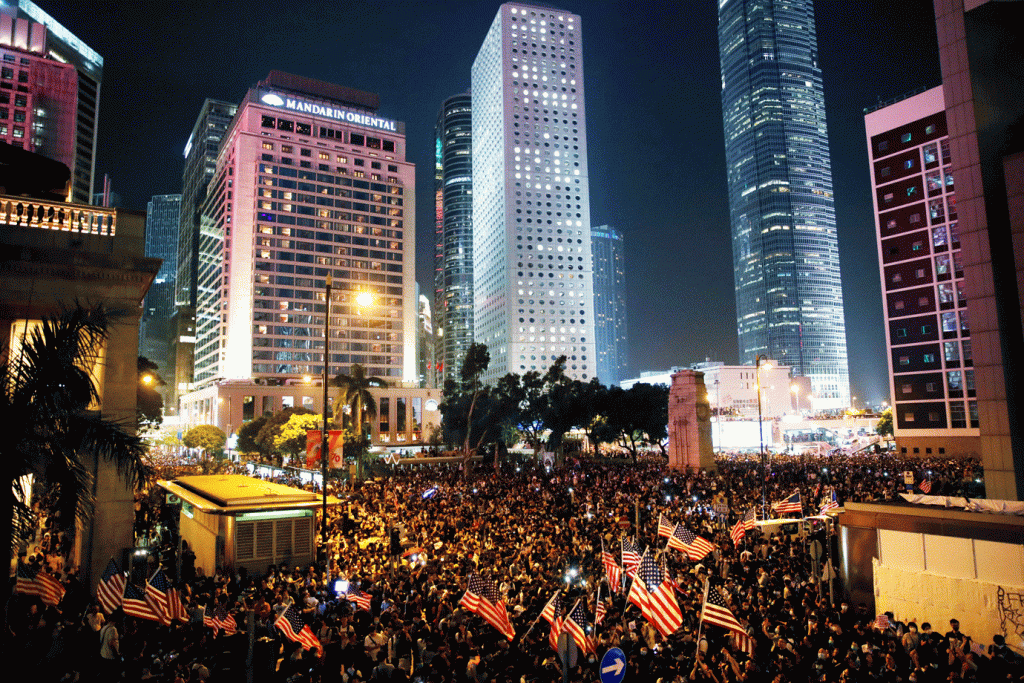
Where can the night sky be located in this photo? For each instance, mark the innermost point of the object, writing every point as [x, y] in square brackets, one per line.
[656, 148]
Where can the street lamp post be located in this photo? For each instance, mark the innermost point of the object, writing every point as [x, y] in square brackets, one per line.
[323, 432]
[760, 433]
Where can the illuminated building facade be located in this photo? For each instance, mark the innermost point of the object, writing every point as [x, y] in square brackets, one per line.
[453, 243]
[310, 182]
[162, 214]
[532, 268]
[610, 330]
[52, 81]
[789, 301]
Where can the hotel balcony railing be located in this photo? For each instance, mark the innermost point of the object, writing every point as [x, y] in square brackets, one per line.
[47, 215]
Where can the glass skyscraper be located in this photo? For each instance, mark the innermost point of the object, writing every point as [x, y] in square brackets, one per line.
[453, 244]
[532, 270]
[789, 301]
[610, 305]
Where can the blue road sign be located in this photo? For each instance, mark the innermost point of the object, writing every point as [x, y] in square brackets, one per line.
[613, 666]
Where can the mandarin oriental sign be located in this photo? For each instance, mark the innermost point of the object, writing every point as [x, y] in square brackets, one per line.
[327, 112]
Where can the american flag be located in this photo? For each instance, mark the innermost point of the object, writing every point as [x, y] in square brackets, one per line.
[599, 610]
[743, 525]
[690, 543]
[51, 590]
[156, 595]
[664, 528]
[26, 582]
[744, 642]
[576, 624]
[925, 486]
[361, 599]
[882, 622]
[611, 568]
[175, 608]
[716, 612]
[831, 503]
[135, 604]
[223, 620]
[482, 598]
[552, 613]
[791, 504]
[655, 597]
[110, 588]
[291, 626]
[630, 556]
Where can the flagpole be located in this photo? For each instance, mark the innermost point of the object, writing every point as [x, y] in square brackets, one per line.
[700, 622]
[539, 615]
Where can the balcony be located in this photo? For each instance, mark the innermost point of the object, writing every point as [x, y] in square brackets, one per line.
[47, 215]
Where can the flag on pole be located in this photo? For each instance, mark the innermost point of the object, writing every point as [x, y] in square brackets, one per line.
[664, 527]
[791, 504]
[223, 620]
[291, 626]
[611, 568]
[716, 612]
[830, 503]
[925, 486]
[156, 595]
[110, 588]
[552, 613]
[50, 589]
[482, 598]
[630, 556]
[655, 597]
[743, 525]
[175, 608]
[361, 599]
[744, 642]
[599, 610]
[684, 540]
[575, 624]
[135, 604]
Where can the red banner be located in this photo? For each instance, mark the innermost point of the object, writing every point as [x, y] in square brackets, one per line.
[335, 446]
[314, 442]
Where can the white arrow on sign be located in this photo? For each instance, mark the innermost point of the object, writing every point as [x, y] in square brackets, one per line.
[615, 667]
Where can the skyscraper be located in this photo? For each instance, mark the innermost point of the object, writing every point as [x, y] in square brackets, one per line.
[789, 301]
[931, 360]
[50, 92]
[453, 244]
[610, 305]
[532, 269]
[310, 182]
[162, 214]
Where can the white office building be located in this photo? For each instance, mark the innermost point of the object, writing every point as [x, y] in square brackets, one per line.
[533, 271]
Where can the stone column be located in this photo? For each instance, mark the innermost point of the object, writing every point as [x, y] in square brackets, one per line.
[689, 423]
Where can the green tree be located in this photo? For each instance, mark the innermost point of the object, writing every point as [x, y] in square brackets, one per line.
[208, 437]
[149, 403]
[884, 428]
[267, 434]
[591, 396]
[354, 391]
[47, 390]
[247, 434]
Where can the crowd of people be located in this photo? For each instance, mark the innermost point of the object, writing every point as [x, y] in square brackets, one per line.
[410, 541]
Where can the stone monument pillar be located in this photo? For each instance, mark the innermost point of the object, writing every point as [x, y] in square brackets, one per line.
[689, 423]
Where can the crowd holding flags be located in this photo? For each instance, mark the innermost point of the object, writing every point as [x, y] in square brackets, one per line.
[223, 620]
[552, 613]
[482, 598]
[684, 540]
[156, 595]
[361, 599]
[716, 612]
[599, 610]
[290, 625]
[743, 525]
[791, 504]
[925, 486]
[575, 624]
[664, 527]
[40, 583]
[831, 503]
[655, 596]
[611, 568]
[136, 605]
[110, 588]
[630, 556]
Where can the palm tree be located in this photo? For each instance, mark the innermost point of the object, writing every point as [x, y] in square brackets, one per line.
[53, 431]
[355, 392]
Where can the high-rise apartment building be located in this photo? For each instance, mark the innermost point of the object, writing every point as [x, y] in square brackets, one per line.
[52, 81]
[155, 332]
[789, 301]
[928, 332]
[610, 329]
[532, 269]
[310, 182]
[453, 242]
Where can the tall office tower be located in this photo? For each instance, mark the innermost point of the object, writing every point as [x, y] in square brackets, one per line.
[155, 330]
[426, 344]
[927, 330]
[310, 182]
[982, 80]
[789, 301]
[453, 245]
[610, 305]
[53, 111]
[532, 270]
[200, 163]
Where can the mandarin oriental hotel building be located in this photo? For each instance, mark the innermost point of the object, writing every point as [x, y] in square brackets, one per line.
[310, 182]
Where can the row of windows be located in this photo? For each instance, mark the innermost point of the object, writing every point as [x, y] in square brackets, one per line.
[357, 139]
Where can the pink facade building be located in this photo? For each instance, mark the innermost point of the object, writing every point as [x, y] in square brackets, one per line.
[310, 182]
